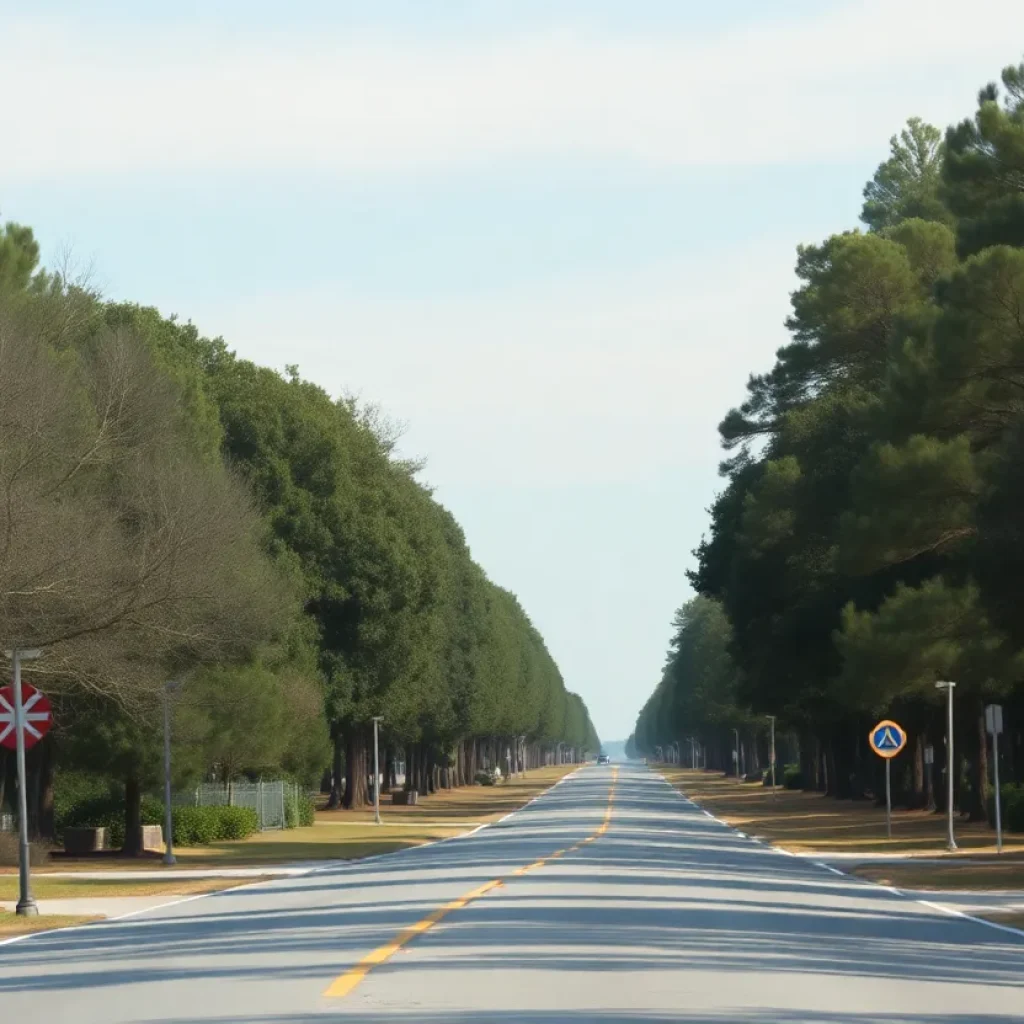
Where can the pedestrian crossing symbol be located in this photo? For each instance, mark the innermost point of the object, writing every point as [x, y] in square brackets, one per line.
[887, 739]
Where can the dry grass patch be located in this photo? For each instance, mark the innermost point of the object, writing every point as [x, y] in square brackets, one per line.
[11, 924]
[44, 888]
[954, 873]
[811, 822]
[341, 835]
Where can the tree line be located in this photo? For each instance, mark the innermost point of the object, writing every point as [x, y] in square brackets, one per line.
[178, 523]
[869, 539]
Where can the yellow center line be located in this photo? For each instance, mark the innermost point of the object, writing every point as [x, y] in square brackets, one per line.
[344, 983]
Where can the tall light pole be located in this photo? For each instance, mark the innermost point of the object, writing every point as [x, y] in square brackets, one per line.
[771, 752]
[169, 687]
[26, 901]
[948, 687]
[377, 719]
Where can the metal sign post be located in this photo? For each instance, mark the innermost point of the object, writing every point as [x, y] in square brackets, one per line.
[887, 739]
[994, 725]
[26, 901]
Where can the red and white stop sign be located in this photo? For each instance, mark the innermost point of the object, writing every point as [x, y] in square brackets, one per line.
[38, 716]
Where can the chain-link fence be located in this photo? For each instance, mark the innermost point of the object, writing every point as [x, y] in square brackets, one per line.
[270, 800]
[7, 822]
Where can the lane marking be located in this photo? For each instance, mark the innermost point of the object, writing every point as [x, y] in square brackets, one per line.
[828, 867]
[953, 912]
[346, 982]
[950, 911]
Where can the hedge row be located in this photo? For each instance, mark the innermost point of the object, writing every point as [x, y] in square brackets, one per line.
[193, 826]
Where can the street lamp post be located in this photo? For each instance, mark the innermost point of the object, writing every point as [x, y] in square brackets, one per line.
[771, 753]
[377, 719]
[169, 687]
[948, 687]
[26, 901]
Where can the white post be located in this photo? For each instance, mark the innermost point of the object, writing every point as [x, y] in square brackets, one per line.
[888, 801]
[26, 902]
[994, 725]
[948, 687]
[999, 817]
[169, 857]
[376, 771]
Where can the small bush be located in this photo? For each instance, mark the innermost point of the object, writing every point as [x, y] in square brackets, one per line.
[485, 779]
[792, 777]
[299, 811]
[37, 851]
[200, 826]
[1012, 807]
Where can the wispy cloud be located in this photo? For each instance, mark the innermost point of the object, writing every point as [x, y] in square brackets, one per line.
[101, 100]
[610, 378]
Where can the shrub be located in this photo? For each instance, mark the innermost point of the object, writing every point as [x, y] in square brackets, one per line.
[73, 789]
[299, 810]
[200, 826]
[9, 856]
[792, 777]
[484, 779]
[1012, 807]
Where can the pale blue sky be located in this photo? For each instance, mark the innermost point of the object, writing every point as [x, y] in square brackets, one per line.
[554, 238]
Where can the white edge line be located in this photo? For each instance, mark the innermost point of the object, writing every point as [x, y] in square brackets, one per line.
[266, 881]
[952, 912]
[50, 931]
[828, 867]
[175, 903]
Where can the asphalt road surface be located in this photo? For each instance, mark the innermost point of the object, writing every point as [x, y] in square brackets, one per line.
[609, 899]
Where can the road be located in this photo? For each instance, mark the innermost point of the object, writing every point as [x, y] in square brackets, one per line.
[651, 912]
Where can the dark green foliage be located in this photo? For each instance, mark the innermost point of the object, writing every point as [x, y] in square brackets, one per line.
[308, 580]
[97, 809]
[299, 810]
[792, 777]
[868, 539]
[200, 826]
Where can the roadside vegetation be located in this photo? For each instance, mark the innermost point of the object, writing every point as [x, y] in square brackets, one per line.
[181, 524]
[869, 537]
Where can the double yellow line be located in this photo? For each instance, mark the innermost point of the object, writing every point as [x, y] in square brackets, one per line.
[345, 983]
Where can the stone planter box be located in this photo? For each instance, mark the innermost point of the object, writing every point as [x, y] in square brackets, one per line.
[152, 837]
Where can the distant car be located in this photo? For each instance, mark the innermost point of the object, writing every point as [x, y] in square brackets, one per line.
[603, 759]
